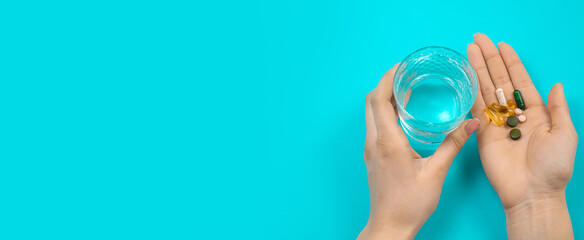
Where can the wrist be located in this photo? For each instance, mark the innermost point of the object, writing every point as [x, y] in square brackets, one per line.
[543, 216]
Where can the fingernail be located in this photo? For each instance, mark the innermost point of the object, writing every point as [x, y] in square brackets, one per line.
[500, 43]
[472, 126]
[476, 34]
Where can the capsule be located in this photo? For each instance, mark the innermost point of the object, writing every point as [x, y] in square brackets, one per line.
[519, 99]
[500, 96]
[510, 104]
[494, 116]
[498, 107]
[502, 110]
[507, 113]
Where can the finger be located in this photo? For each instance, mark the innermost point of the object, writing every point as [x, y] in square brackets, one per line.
[478, 108]
[479, 104]
[383, 112]
[558, 108]
[475, 57]
[519, 77]
[495, 64]
[394, 104]
[452, 144]
[369, 121]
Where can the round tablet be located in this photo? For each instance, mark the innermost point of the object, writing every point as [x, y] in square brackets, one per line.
[512, 121]
[522, 118]
[515, 134]
[518, 111]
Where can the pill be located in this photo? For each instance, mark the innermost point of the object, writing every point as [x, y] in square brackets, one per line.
[522, 118]
[499, 107]
[518, 111]
[494, 116]
[512, 121]
[502, 110]
[508, 113]
[519, 99]
[510, 104]
[501, 96]
[515, 134]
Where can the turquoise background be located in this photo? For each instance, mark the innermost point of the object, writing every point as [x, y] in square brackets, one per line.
[237, 120]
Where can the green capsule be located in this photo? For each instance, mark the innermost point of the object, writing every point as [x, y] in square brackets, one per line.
[519, 99]
[512, 121]
[515, 134]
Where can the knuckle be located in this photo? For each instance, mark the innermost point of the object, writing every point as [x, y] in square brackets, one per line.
[494, 57]
[515, 64]
[369, 148]
[368, 97]
[481, 68]
[457, 140]
[386, 148]
[377, 100]
[503, 78]
[523, 83]
[558, 107]
[488, 89]
[381, 143]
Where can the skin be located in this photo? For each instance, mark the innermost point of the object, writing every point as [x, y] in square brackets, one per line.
[404, 187]
[529, 174]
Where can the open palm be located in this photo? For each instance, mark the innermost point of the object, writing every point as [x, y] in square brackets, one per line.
[540, 163]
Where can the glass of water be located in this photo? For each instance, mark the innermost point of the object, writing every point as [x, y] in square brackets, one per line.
[434, 88]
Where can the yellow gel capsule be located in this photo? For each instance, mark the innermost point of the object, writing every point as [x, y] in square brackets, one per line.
[498, 107]
[502, 110]
[510, 104]
[507, 113]
[494, 116]
[502, 114]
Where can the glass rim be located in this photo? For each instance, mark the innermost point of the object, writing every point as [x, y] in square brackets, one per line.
[472, 77]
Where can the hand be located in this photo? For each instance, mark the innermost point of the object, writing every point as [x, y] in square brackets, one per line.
[531, 173]
[404, 187]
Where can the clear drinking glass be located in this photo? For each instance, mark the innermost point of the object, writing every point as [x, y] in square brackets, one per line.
[434, 88]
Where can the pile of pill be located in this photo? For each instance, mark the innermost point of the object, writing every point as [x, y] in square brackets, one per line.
[497, 112]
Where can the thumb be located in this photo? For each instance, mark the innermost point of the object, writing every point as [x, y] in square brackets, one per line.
[452, 144]
[558, 108]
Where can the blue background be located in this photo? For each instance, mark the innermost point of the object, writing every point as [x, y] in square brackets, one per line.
[237, 120]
